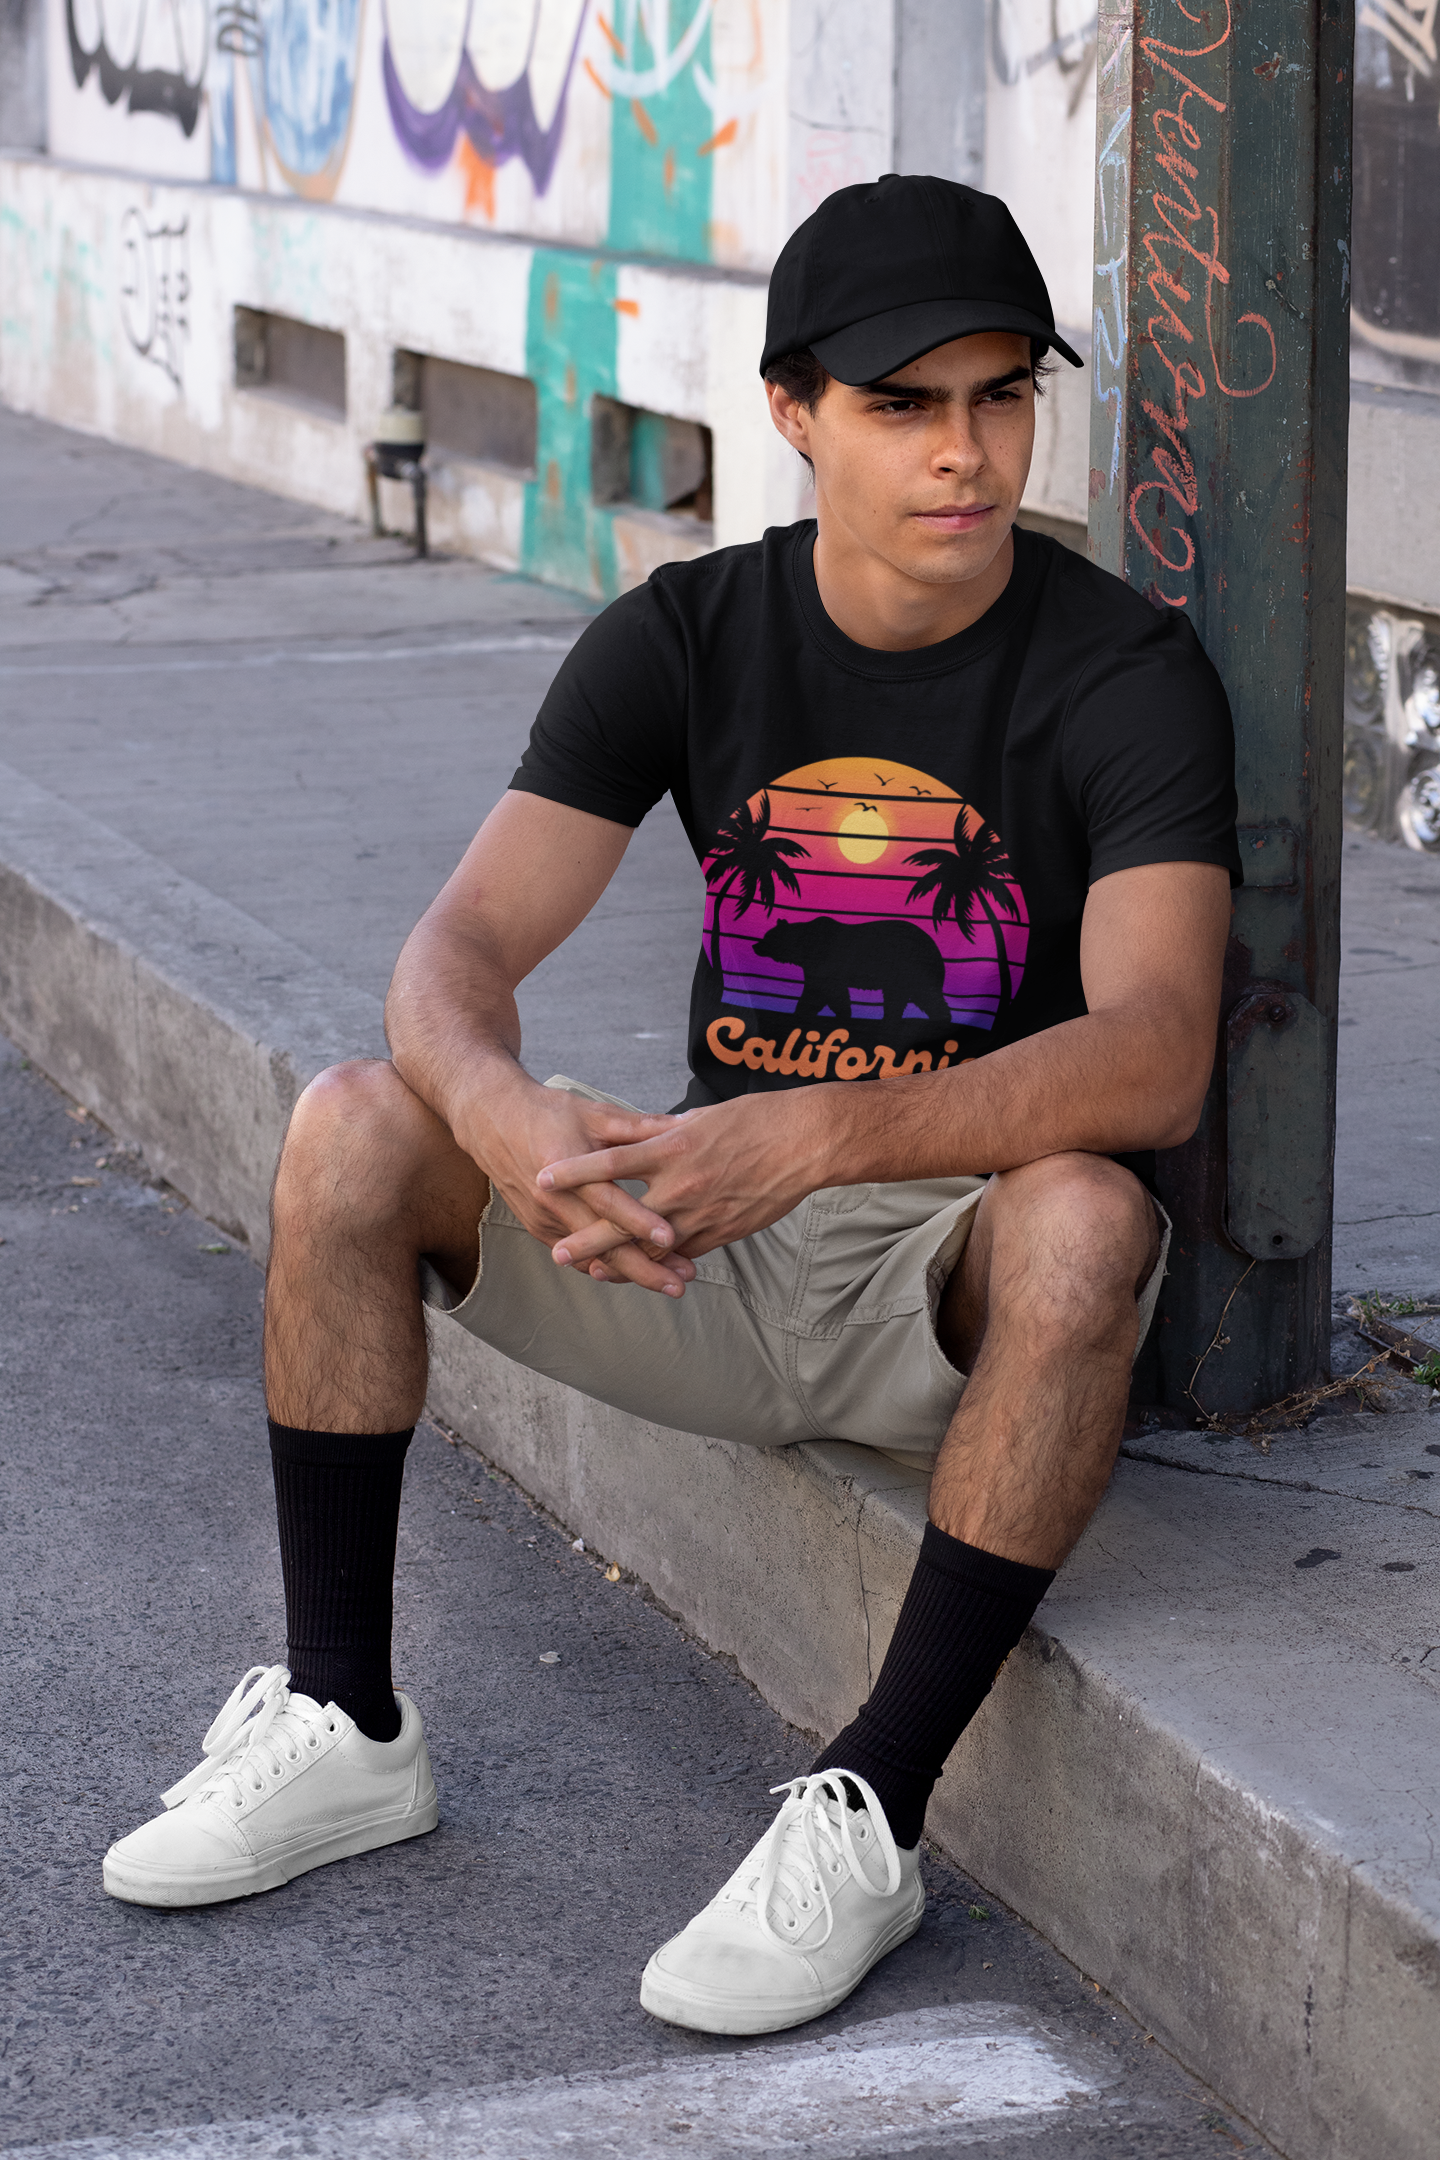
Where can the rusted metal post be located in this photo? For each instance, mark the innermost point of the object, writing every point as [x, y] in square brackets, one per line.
[1217, 485]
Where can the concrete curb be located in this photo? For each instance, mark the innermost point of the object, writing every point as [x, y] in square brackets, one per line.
[1206, 1801]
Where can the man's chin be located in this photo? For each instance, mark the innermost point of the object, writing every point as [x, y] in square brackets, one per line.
[951, 558]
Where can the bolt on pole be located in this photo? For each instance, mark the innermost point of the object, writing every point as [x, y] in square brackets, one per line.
[1217, 486]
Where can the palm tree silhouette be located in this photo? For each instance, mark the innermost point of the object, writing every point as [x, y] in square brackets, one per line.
[747, 855]
[974, 874]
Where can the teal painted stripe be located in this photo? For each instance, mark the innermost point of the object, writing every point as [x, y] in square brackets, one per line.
[570, 342]
[660, 184]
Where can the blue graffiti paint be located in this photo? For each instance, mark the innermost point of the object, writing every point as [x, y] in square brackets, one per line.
[305, 67]
[237, 37]
[220, 94]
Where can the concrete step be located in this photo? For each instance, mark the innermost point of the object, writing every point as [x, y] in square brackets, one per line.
[1207, 1774]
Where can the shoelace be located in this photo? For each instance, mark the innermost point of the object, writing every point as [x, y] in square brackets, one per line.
[802, 1847]
[257, 1731]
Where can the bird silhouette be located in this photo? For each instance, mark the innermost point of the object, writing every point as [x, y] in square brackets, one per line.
[868, 806]
[884, 778]
[920, 790]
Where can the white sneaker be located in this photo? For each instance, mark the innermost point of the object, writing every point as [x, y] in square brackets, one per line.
[285, 1786]
[824, 1896]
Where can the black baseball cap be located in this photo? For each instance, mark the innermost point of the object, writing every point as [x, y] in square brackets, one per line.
[890, 269]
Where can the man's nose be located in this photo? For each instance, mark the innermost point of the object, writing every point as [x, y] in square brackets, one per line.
[959, 452]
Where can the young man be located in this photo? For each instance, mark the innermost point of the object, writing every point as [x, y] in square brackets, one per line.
[965, 809]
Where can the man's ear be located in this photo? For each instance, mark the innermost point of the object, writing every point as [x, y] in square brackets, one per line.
[791, 418]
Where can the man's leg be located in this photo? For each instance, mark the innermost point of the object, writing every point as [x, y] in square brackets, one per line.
[1041, 1313]
[369, 1181]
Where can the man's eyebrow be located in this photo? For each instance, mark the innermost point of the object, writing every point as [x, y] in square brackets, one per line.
[940, 393]
[1003, 382]
[923, 393]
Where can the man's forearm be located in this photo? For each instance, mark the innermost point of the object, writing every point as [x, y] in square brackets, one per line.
[1109, 1083]
[451, 1017]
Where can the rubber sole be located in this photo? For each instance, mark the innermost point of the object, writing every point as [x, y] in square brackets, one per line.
[682, 2003]
[138, 1885]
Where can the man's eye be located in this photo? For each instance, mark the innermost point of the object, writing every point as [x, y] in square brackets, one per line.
[900, 405]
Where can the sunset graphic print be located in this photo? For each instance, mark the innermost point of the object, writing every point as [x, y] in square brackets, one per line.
[858, 915]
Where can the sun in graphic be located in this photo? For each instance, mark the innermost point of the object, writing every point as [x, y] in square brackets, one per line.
[863, 834]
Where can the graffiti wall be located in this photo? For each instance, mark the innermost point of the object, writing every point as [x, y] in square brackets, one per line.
[652, 127]
[698, 130]
[586, 194]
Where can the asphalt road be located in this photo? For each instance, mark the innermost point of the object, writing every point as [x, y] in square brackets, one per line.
[474, 1993]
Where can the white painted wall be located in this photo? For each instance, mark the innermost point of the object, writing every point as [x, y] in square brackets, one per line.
[841, 99]
[1040, 138]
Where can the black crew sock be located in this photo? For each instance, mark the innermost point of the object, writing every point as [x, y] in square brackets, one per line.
[337, 1497]
[963, 1614]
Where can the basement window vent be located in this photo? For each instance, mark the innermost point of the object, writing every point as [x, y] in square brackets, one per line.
[650, 460]
[294, 359]
[470, 412]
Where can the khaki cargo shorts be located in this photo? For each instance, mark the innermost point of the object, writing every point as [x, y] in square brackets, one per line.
[821, 1327]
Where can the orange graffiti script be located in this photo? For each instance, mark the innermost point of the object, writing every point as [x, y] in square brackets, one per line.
[1183, 249]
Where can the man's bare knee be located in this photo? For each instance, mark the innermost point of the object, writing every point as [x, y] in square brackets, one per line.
[1080, 1225]
[358, 1147]
[1059, 1239]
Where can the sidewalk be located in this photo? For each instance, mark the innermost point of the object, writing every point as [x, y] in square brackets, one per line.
[236, 767]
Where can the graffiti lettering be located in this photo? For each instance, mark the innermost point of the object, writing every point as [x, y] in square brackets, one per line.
[1181, 266]
[155, 290]
[171, 91]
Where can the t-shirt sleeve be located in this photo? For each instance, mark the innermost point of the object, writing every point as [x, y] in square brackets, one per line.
[1149, 755]
[607, 736]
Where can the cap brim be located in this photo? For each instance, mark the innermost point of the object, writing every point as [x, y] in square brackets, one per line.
[866, 351]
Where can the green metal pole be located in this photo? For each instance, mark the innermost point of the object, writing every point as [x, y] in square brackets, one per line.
[1217, 487]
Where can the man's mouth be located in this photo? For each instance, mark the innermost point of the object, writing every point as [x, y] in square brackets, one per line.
[955, 518]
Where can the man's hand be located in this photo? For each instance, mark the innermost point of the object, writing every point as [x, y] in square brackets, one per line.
[513, 1136]
[712, 1176]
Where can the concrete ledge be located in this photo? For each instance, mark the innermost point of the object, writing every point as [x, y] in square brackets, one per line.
[1205, 1778]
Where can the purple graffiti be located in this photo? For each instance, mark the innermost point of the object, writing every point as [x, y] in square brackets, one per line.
[501, 124]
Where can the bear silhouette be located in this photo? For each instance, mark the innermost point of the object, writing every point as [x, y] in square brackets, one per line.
[898, 958]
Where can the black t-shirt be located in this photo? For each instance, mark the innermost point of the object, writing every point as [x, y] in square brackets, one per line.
[897, 846]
